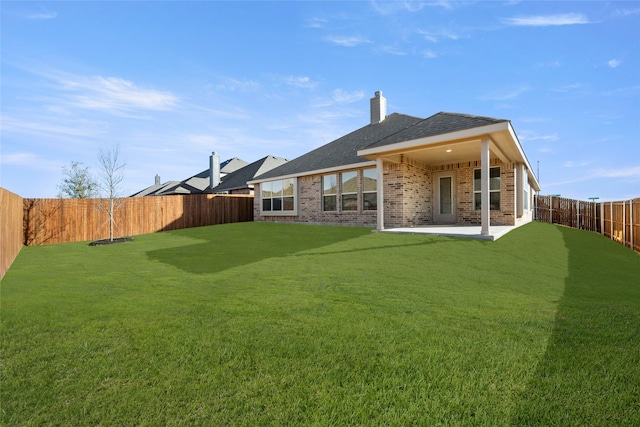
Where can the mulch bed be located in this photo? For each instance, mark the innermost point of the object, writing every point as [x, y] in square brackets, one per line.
[110, 242]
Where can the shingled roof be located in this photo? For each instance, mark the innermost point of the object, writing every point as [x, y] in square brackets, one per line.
[438, 124]
[195, 184]
[238, 179]
[394, 129]
[343, 151]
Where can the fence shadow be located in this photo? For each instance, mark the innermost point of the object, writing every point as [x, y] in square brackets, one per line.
[592, 362]
[235, 245]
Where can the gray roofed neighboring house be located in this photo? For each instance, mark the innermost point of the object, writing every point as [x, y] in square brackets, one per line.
[236, 182]
[196, 184]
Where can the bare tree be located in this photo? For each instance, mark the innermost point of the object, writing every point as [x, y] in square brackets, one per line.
[77, 182]
[111, 176]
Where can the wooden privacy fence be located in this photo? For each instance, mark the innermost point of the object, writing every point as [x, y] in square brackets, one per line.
[49, 221]
[10, 229]
[620, 221]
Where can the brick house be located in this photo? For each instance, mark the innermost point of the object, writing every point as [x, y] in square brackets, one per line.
[405, 171]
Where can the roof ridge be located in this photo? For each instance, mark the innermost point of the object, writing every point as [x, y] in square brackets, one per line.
[471, 116]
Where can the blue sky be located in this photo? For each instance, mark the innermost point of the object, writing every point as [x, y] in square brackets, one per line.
[170, 82]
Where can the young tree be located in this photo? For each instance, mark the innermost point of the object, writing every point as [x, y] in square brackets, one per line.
[77, 182]
[111, 176]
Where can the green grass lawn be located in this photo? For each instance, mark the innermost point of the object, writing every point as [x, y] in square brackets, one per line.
[273, 324]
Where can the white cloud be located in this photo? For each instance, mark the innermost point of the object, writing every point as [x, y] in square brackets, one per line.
[393, 50]
[429, 54]
[19, 159]
[348, 41]
[42, 16]
[552, 64]
[238, 85]
[29, 160]
[569, 87]
[533, 136]
[614, 63]
[505, 95]
[632, 172]
[316, 23]
[343, 97]
[626, 12]
[572, 164]
[339, 96]
[116, 95]
[411, 6]
[547, 20]
[436, 36]
[54, 127]
[302, 82]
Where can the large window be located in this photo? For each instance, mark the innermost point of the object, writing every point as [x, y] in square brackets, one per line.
[494, 189]
[279, 196]
[369, 189]
[349, 191]
[329, 192]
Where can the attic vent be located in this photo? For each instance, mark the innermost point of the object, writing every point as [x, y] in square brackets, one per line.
[378, 108]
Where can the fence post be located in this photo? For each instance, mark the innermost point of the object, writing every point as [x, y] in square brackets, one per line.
[611, 218]
[602, 218]
[624, 224]
[633, 248]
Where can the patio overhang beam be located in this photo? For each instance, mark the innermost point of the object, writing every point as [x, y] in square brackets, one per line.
[444, 153]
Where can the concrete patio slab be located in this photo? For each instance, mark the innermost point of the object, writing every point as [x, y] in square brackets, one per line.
[467, 231]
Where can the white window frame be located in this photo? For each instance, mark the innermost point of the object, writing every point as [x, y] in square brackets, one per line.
[293, 212]
[349, 193]
[479, 191]
[334, 195]
[375, 191]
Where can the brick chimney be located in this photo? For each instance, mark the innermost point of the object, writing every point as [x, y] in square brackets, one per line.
[214, 170]
[378, 108]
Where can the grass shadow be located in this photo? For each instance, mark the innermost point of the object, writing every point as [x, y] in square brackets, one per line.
[590, 373]
[234, 245]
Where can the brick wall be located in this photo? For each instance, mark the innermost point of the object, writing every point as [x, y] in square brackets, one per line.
[408, 197]
[464, 190]
[407, 193]
[310, 207]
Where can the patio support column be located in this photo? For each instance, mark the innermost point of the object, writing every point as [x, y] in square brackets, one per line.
[380, 195]
[484, 187]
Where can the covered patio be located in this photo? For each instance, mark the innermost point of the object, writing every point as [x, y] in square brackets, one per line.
[490, 142]
[465, 231]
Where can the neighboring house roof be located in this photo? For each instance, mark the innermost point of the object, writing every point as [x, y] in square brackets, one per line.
[195, 184]
[157, 189]
[238, 179]
[344, 150]
[201, 181]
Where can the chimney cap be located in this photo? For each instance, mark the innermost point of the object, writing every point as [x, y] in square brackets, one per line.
[378, 108]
